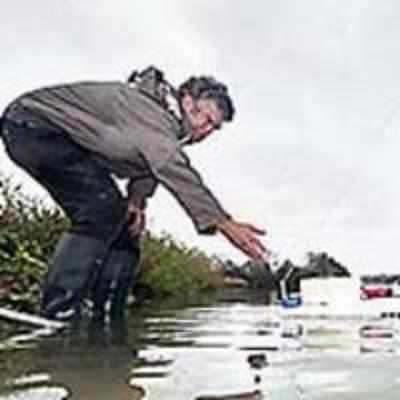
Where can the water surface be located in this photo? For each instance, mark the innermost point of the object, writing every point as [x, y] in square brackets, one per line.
[205, 352]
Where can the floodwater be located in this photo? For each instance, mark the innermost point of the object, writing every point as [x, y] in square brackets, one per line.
[230, 350]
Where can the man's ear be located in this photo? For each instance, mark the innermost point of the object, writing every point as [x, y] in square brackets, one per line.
[187, 103]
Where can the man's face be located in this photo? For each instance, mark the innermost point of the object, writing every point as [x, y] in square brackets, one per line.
[204, 116]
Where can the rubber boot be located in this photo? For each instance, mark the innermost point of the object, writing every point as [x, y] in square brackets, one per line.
[70, 269]
[113, 285]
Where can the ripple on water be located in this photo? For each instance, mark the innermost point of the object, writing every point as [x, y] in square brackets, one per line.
[203, 354]
[38, 393]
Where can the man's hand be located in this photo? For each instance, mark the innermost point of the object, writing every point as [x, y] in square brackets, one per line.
[244, 237]
[136, 218]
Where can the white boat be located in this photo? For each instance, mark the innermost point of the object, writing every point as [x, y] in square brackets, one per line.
[339, 298]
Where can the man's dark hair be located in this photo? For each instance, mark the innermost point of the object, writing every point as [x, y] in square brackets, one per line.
[206, 87]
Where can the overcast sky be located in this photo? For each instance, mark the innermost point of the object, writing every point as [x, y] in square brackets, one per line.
[312, 153]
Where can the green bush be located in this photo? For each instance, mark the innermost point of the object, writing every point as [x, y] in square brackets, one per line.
[172, 268]
[29, 230]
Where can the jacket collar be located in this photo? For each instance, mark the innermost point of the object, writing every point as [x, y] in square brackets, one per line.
[152, 85]
[175, 108]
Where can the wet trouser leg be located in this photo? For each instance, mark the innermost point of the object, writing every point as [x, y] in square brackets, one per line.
[90, 198]
[113, 285]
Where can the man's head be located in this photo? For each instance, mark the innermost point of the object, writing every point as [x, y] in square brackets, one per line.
[207, 105]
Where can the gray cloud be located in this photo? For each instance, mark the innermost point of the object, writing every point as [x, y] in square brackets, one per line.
[313, 152]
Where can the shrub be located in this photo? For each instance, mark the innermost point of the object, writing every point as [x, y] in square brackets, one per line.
[172, 268]
[29, 231]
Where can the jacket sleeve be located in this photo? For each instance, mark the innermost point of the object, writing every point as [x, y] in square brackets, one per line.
[140, 189]
[186, 185]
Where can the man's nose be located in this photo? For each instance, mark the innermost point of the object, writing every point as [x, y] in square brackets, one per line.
[208, 127]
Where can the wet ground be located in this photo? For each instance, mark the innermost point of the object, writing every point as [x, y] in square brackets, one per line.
[231, 350]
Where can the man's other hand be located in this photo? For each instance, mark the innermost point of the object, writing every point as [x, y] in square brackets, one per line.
[136, 218]
[244, 237]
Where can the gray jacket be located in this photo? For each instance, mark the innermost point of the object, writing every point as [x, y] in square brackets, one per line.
[129, 130]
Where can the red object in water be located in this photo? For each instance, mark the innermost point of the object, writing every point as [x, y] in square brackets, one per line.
[375, 292]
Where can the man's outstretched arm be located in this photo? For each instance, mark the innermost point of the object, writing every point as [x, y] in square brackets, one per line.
[184, 182]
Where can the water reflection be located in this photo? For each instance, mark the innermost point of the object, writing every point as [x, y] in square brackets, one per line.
[224, 352]
[209, 349]
[89, 362]
[40, 393]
